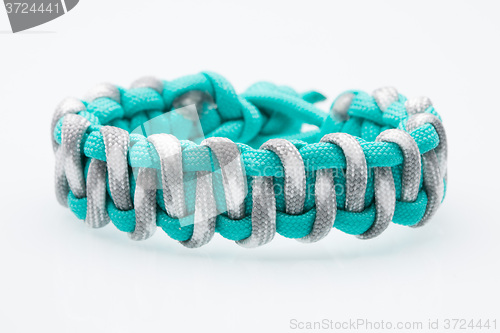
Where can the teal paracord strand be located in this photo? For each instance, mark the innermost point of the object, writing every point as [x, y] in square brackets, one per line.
[371, 160]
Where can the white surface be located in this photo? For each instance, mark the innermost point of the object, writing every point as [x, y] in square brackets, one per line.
[59, 276]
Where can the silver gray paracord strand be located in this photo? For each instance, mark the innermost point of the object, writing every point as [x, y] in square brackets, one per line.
[234, 181]
[169, 150]
[356, 170]
[263, 213]
[442, 148]
[294, 173]
[97, 215]
[205, 211]
[411, 162]
[148, 82]
[106, 90]
[385, 97]
[70, 174]
[145, 204]
[434, 165]
[74, 128]
[326, 206]
[116, 143]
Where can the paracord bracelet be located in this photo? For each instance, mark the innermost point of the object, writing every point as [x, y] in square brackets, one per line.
[374, 159]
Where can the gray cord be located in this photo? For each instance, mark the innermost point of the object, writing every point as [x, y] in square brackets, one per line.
[148, 82]
[169, 150]
[144, 204]
[116, 143]
[385, 96]
[442, 149]
[60, 181]
[385, 202]
[411, 164]
[433, 184]
[263, 213]
[205, 211]
[356, 170]
[342, 104]
[97, 215]
[434, 164]
[417, 105]
[233, 178]
[326, 206]
[73, 128]
[103, 90]
[295, 176]
[67, 106]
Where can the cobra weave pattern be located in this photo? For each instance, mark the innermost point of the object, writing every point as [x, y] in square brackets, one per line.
[373, 159]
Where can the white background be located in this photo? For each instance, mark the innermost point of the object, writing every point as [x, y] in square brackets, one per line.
[57, 275]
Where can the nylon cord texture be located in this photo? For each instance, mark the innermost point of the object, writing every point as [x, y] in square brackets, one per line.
[374, 158]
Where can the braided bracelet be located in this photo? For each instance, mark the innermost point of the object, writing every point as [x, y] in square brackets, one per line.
[373, 159]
